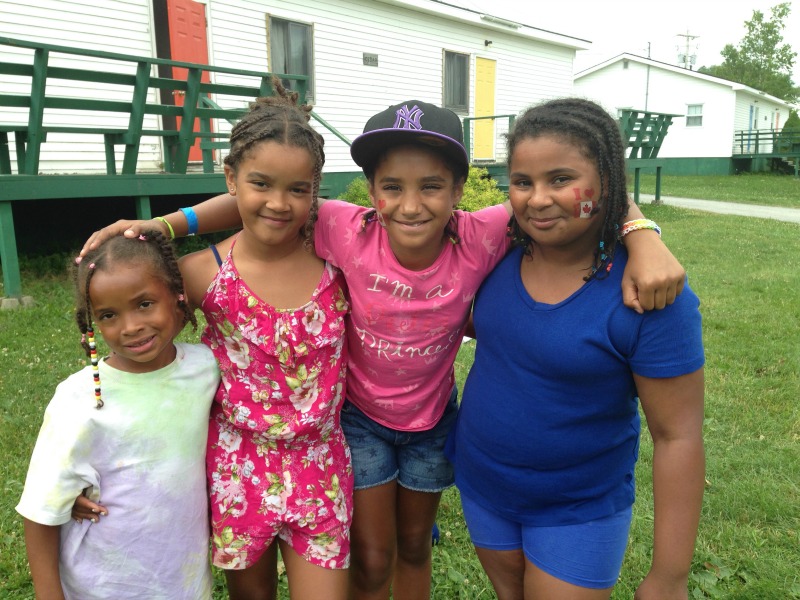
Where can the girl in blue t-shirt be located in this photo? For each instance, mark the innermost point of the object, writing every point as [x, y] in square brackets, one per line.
[547, 436]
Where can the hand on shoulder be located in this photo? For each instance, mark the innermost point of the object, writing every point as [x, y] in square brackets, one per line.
[125, 227]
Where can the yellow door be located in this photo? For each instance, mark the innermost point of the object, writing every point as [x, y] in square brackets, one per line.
[483, 141]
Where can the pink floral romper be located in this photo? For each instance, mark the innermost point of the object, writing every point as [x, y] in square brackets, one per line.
[277, 460]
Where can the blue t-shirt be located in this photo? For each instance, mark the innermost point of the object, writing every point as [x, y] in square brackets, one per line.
[548, 430]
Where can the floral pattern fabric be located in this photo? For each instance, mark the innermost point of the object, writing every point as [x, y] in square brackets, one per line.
[277, 460]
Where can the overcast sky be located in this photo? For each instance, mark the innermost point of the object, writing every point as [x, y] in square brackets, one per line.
[614, 26]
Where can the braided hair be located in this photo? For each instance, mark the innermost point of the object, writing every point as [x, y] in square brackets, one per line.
[590, 128]
[281, 119]
[152, 249]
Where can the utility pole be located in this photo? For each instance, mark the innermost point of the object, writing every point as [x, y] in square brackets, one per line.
[687, 59]
[647, 84]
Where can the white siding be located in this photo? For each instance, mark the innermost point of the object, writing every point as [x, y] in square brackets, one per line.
[668, 92]
[409, 45]
[122, 26]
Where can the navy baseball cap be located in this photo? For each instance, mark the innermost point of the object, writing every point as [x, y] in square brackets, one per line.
[412, 122]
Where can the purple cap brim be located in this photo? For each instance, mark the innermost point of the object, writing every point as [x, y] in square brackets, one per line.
[367, 147]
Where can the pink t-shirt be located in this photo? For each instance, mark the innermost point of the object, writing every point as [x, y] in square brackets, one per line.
[405, 326]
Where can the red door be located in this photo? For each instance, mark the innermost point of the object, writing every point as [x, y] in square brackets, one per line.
[188, 43]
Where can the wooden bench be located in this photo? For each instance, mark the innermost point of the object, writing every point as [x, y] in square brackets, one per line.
[64, 100]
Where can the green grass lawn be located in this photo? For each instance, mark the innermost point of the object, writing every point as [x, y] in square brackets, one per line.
[745, 272]
[749, 188]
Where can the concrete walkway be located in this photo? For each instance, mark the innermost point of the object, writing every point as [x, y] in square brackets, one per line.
[792, 215]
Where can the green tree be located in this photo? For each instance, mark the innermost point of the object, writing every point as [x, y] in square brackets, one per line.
[789, 137]
[761, 60]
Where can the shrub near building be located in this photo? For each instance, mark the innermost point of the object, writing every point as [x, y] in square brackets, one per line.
[480, 191]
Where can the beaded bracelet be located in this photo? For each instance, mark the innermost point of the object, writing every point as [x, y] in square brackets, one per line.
[191, 220]
[637, 224]
[169, 227]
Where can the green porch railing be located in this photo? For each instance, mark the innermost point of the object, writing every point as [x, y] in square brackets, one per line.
[139, 105]
[768, 143]
[30, 135]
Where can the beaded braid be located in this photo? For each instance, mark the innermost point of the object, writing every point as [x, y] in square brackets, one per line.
[280, 118]
[151, 248]
[588, 126]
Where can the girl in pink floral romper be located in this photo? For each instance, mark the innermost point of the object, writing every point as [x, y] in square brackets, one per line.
[277, 461]
[278, 465]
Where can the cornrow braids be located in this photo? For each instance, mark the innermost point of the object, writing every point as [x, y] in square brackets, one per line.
[589, 127]
[281, 119]
[152, 249]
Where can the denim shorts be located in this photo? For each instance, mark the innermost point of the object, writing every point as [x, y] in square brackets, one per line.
[415, 458]
[588, 555]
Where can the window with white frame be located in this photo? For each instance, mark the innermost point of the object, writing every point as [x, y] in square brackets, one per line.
[291, 51]
[456, 81]
[694, 115]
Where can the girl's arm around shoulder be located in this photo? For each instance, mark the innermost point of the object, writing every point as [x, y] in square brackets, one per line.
[199, 269]
[42, 544]
[674, 411]
[653, 276]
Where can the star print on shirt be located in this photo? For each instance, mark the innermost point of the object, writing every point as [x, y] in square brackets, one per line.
[357, 261]
[385, 402]
[331, 221]
[490, 247]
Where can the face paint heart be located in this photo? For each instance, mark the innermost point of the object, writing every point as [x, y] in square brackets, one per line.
[381, 204]
[588, 193]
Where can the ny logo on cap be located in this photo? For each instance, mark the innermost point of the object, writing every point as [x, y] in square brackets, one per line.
[408, 119]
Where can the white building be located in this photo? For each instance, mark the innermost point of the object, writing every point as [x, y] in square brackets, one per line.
[362, 56]
[718, 118]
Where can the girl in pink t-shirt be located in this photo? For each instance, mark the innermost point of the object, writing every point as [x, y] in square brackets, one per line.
[412, 265]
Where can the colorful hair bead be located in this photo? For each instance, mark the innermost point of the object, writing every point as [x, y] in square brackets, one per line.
[95, 367]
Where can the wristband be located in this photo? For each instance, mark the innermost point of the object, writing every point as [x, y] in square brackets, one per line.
[636, 225]
[169, 227]
[191, 220]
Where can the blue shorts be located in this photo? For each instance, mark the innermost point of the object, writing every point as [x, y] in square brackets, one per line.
[588, 555]
[415, 458]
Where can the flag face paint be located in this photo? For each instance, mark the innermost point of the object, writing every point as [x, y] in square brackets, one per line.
[585, 207]
[379, 214]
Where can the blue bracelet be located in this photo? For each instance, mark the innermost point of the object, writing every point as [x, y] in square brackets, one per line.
[191, 220]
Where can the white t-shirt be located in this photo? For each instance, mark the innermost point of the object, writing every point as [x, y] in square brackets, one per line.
[143, 454]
